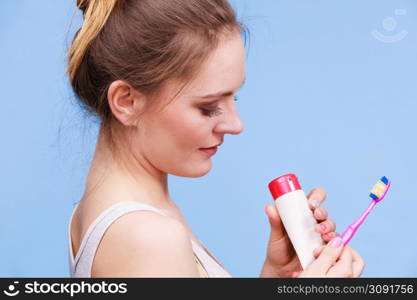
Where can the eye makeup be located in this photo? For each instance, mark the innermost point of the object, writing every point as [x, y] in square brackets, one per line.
[213, 109]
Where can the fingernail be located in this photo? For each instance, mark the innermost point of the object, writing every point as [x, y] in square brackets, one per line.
[337, 242]
[330, 235]
[314, 202]
[323, 226]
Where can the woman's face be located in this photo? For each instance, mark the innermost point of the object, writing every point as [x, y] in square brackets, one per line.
[172, 140]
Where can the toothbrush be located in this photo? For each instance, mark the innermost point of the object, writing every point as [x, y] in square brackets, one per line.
[378, 192]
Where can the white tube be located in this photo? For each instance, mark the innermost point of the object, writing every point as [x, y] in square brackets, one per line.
[300, 225]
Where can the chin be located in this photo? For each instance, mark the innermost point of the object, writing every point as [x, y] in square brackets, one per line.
[194, 170]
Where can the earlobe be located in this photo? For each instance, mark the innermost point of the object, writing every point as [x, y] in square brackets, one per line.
[125, 102]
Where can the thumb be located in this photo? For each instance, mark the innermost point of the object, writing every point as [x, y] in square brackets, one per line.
[328, 256]
[295, 274]
[277, 228]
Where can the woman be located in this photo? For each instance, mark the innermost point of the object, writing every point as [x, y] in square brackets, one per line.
[162, 77]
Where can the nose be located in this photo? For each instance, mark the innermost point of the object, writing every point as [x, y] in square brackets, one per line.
[230, 123]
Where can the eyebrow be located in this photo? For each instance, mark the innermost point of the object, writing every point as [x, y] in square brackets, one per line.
[221, 94]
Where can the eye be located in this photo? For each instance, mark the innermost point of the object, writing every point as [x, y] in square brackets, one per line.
[214, 109]
[211, 111]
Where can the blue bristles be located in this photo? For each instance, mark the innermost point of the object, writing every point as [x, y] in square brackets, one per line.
[379, 189]
[374, 197]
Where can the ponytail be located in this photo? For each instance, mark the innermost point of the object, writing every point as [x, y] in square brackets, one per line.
[96, 13]
[145, 43]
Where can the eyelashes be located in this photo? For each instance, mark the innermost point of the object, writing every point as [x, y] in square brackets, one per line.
[211, 112]
[216, 110]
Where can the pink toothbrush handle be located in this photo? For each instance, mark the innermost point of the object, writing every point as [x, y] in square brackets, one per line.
[350, 231]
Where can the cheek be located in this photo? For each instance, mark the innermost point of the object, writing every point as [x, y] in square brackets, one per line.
[189, 132]
[170, 143]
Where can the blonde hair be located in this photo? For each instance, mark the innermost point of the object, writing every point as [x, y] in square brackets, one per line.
[96, 13]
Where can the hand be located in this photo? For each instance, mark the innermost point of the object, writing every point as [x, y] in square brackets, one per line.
[334, 260]
[281, 259]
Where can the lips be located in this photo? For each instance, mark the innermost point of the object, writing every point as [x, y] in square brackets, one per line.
[214, 146]
[209, 151]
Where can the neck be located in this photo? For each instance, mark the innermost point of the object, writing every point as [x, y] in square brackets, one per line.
[128, 173]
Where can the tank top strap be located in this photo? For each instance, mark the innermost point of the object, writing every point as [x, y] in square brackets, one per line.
[81, 265]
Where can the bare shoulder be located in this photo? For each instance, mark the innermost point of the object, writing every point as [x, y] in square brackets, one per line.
[145, 244]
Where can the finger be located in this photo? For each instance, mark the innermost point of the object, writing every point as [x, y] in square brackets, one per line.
[273, 215]
[328, 236]
[328, 256]
[277, 228]
[358, 263]
[318, 251]
[326, 227]
[295, 274]
[316, 197]
[344, 266]
[320, 213]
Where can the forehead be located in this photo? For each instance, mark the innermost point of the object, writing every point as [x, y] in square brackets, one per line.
[224, 69]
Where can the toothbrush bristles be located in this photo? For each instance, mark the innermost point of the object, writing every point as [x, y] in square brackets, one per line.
[379, 190]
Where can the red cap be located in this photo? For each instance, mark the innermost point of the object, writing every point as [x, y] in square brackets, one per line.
[284, 184]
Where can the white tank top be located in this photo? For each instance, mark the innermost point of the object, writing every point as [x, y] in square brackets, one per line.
[81, 264]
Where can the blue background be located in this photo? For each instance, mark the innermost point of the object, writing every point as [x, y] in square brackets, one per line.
[323, 99]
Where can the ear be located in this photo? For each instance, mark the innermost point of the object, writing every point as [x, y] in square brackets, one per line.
[126, 103]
